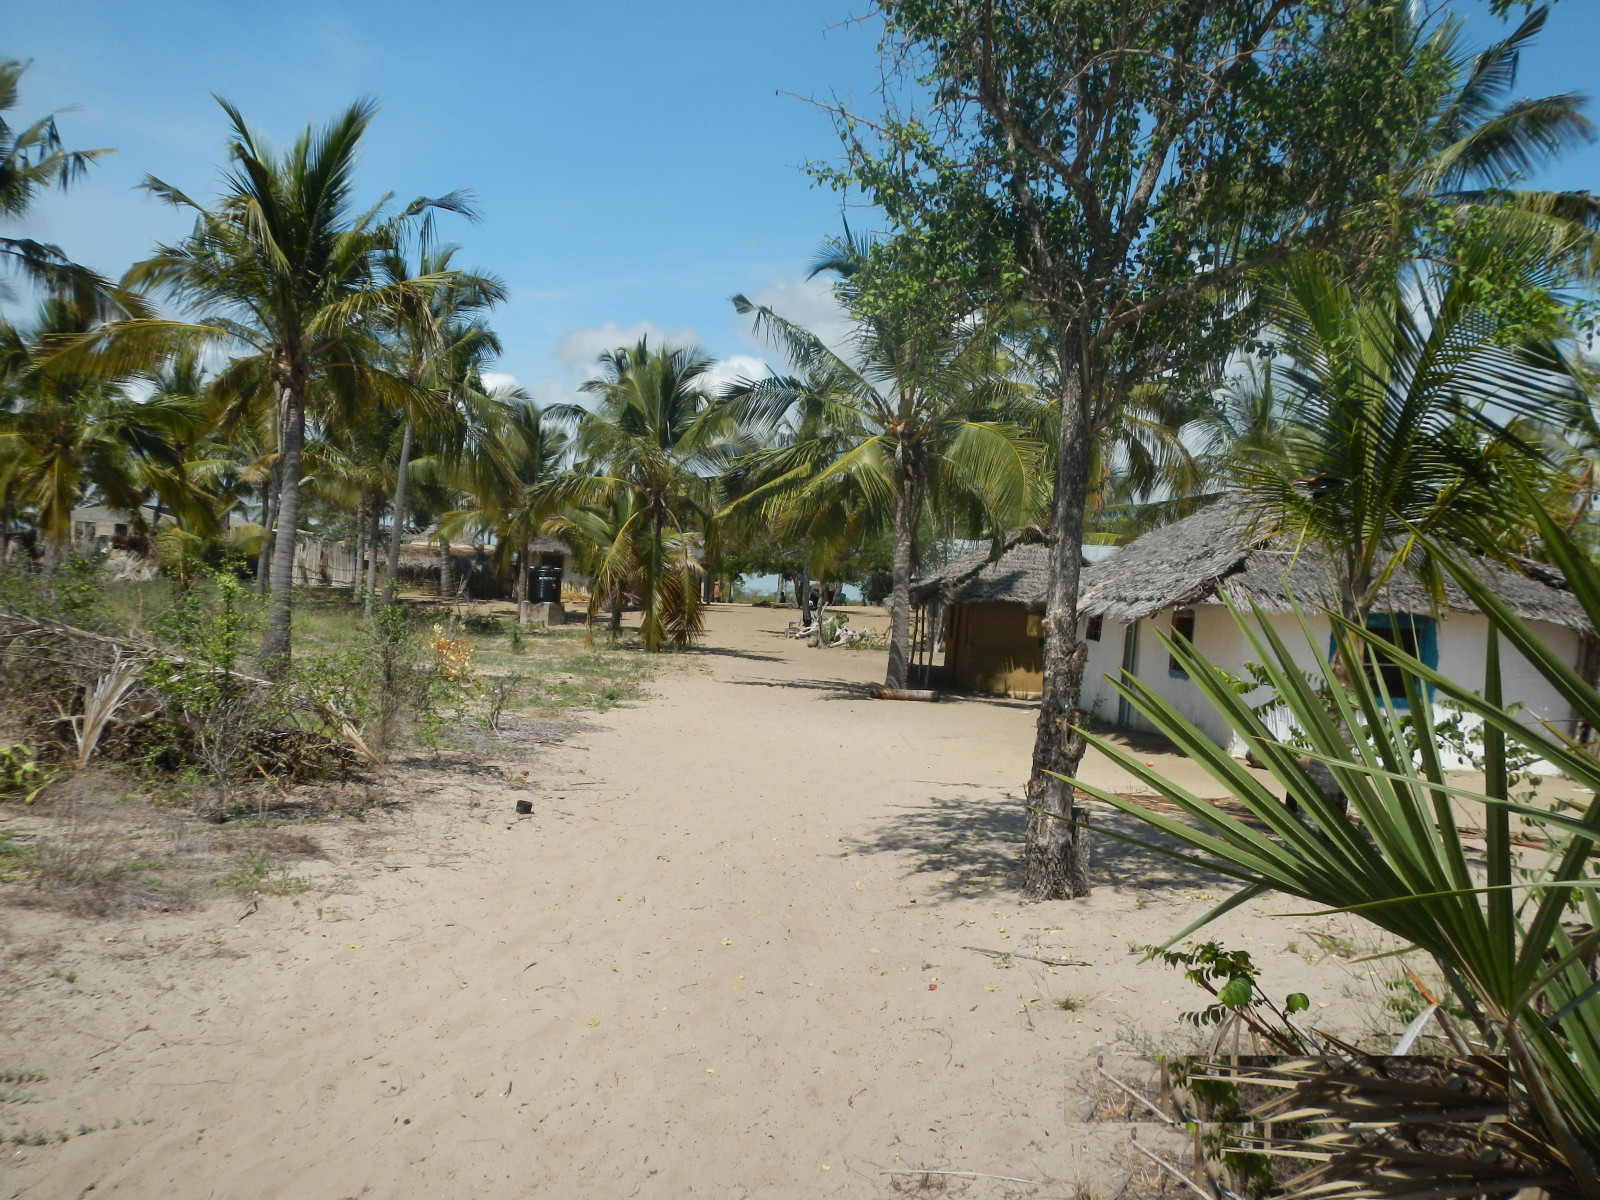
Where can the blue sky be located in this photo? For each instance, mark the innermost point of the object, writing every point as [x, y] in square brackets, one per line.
[636, 163]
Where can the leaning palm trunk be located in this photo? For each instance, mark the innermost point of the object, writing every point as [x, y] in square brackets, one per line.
[900, 595]
[391, 580]
[1056, 859]
[275, 641]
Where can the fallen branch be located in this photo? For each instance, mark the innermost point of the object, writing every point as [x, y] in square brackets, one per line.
[1049, 962]
[883, 693]
[348, 732]
[1140, 1097]
[1177, 1174]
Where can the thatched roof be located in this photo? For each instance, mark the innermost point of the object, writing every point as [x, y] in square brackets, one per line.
[1021, 575]
[1221, 551]
[420, 554]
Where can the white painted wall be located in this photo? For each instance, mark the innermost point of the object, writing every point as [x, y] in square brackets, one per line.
[1462, 641]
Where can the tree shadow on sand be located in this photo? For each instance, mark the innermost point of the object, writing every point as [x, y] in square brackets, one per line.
[728, 652]
[828, 689]
[972, 845]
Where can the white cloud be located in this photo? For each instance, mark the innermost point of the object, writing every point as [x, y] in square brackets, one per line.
[551, 391]
[733, 370]
[809, 303]
[578, 349]
[494, 380]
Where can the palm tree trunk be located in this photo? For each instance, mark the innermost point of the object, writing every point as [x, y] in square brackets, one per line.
[268, 505]
[802, 590]
[361, 545]
[398, 519]
[523, 559]
[900, 595]
[616, 615]
[372, 552]
[1056, 859]
[275, 640]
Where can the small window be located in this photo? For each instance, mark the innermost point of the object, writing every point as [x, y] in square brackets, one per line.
[1035, 626]
[1182, 630]
[1092, 633]
[1413, 635]
[120, 530]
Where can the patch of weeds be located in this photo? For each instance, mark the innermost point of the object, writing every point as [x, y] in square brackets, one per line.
[257, 871]
[1069, 1003]
[16, 857]
[22, 775]
[8, 1076]
[1332, 944]
[43, 1137]
[64, 976]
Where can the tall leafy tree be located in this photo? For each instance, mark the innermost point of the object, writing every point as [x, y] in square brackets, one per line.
[1128, 163]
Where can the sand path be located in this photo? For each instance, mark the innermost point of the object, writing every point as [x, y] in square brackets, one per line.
[728, 956]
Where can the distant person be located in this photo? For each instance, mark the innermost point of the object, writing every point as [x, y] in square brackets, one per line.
[716, 591]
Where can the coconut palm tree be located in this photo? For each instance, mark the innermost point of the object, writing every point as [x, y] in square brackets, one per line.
[510, 481]
[603, 536]
[285, 266]
[655, 432]
[1393, 423]
[436, 338]
[33, 159]
[925, 413]
[65, 436]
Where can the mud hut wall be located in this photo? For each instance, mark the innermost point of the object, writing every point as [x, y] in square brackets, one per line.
[989, 649]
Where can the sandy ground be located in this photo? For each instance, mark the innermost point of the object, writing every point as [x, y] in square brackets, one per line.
[748, 944]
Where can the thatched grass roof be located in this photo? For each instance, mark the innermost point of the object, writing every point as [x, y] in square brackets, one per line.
[1021, 575]
[423, 554]
[1222, 551]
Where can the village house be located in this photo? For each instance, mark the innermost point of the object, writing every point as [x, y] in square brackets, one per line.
[1174, 580]
[986, 612]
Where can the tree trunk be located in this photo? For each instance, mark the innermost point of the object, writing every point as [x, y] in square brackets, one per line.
[523, 560]
[446, 583]
[616, 615]
[373, 531]
[802, 590]
[900, 594]
[1056, 859]
[391, 581]
[275, 640]
[269, 502]
[361, 546]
